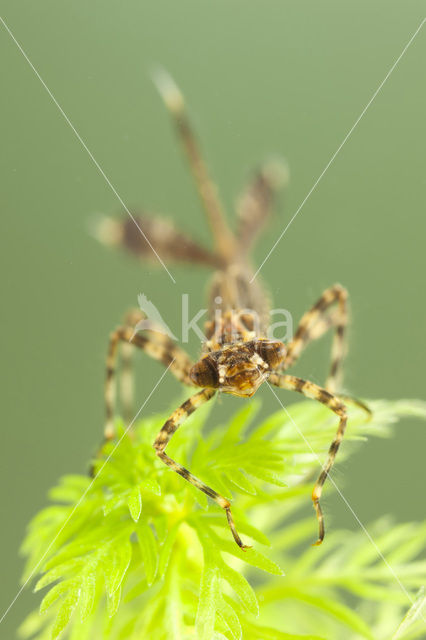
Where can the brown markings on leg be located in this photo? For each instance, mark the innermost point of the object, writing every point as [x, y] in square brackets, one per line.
[170, 243]
[315, 323]
[174, 101]
[163, 438]
[311, 390]
[159, 346]
[256, 202]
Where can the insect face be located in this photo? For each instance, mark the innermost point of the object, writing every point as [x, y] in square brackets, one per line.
[244, 378]
[239, 369]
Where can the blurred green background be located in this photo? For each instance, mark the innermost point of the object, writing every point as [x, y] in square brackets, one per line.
[279, 76]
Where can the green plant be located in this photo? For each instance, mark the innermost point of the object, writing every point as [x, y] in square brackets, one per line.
[144, 555]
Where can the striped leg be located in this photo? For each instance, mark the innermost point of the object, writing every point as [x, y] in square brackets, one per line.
[127, 386]
[255, 203]
[170, 243]
[126, 389]
[163, 438]
[158, 346]
[127, 383]
[315, 323]
[174, 101]
[311, 390]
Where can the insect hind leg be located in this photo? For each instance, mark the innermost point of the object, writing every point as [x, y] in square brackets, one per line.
[255, 204]
[207, 189]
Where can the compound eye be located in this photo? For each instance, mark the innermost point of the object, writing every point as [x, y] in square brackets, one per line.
[204, 373]
[272, 352]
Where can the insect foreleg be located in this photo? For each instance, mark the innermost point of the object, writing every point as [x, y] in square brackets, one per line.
[164, 436]
[311, 390]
